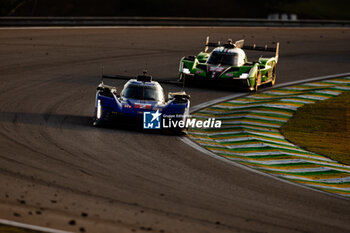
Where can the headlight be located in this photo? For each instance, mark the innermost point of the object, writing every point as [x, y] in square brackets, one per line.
[244, 75]
[186, 71]
[99, 109]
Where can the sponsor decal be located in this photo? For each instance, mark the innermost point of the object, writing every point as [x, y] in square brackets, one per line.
[216, 69]
[156, 108]
[127, 106]
[143, 106]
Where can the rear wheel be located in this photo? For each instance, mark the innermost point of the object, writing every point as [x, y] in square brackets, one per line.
[256, 85]
[273, 78]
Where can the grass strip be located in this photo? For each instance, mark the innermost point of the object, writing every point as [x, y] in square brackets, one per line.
[323, 128]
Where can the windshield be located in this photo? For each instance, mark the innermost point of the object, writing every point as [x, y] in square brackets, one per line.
[229, 59]
[143, 92]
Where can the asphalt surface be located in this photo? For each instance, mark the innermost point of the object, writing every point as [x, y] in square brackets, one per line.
[57, 170]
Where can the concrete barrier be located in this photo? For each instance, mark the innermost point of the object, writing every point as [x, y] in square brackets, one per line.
[165, 21]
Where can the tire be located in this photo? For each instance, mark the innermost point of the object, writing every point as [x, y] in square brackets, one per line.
[96, 122]
[273, 79]
[181, 77]
[256, 86]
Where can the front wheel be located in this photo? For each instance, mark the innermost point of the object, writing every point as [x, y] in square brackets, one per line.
[181, 77]
[96, 122]
[256, 87]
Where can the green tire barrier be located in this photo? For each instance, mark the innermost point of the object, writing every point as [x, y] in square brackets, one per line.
[250, 135]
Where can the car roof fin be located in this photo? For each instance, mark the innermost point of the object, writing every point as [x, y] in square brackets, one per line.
[239, 43]
[102, 73]
[144, 77]
[210, 44]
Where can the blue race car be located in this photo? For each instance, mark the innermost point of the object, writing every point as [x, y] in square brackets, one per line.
[141, 102]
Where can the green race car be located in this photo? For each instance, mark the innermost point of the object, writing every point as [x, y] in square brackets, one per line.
[228, 64]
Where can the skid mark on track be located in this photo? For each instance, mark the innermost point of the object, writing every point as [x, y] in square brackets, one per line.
[250, 135]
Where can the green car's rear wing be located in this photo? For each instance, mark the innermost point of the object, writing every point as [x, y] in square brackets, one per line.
[264, 48]
[240, 44]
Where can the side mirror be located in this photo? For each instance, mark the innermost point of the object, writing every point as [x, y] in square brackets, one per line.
[191, 58]
[170, 96]
[114, 90]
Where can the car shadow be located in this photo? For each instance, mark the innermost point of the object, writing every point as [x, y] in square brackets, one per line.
[75, 122]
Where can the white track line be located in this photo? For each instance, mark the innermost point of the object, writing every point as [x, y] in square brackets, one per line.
[31, 227]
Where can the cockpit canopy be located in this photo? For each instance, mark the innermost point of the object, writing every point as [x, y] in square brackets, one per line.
[143, 92]
[231, 57]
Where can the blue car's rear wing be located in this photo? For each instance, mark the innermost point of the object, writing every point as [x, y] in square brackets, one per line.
[142, 78]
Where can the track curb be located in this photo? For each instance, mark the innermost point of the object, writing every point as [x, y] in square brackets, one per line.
[263, 149]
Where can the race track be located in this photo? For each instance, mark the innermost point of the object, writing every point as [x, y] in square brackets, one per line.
[56, 168]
